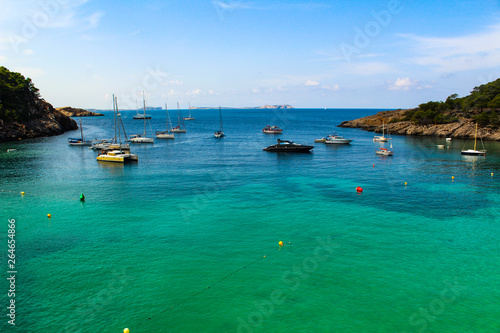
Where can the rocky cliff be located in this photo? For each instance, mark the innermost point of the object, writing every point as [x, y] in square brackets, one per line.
[46, 121]
[463, 129]
[74, 112]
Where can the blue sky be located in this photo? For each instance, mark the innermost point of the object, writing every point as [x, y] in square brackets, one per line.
[336, 54]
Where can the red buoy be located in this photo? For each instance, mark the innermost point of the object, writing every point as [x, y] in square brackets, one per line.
[359, 189]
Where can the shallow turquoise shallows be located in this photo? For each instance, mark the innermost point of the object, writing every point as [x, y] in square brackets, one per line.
[186, 239]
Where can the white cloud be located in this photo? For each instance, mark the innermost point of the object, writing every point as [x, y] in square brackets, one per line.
[404, 84]
[311, 83]
[28, 52]
[335, 87]
[474, 51]
[93, 20]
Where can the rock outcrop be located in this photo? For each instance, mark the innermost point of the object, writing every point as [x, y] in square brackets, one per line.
[46, 121]
[463, 129]
[74, 112]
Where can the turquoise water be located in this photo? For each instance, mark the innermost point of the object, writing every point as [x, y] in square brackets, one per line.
[186, 240]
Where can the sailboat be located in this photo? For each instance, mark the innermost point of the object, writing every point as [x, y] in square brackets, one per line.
[78, 141]
[180, 128]
[378, 138]
[166, 134]
[220, 133]
[475, 152]
[115, 153]
[140, 115]
[141, 138]
[189, 117]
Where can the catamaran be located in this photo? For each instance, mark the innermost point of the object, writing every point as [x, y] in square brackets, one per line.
[116, 153]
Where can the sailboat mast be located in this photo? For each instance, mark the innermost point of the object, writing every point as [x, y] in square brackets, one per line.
[114, 114]
[144, 102]
[475, 138]
[220, 116]
[118, 117]
[81, 129]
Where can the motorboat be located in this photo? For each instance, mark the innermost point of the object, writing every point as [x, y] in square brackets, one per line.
[289, 146]
[272, 130]
[384, 152]
[336, 139]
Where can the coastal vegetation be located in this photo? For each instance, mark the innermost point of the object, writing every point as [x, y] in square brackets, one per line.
[481, 106]
[18, 96]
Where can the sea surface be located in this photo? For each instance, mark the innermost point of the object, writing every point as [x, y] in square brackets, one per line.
[187, 239]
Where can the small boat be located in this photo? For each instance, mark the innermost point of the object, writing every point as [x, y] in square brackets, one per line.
[142, 138]
[336, 139]
[384, 152]
[475, 152]
[166, 134]
[78, 141]
[117, 156]
[108, 144]
[378, 138]
[220, 133]
[11, 150]
[289, 147]
[448, 139]
[272, 130]
[189, 117]
[180, 128]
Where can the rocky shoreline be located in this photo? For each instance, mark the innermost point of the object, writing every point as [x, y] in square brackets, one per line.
[463, 129]
[74, 112]
[47, 122]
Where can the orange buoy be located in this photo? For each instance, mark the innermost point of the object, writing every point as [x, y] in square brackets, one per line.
[49, 216]
[280, 243]
[359, 189]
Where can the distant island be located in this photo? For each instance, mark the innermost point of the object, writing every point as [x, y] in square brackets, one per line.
[74, 112]
[24, 114]
[454, 118]
[284, 106]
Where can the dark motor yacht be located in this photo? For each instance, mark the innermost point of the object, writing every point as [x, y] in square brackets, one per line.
[289, 146]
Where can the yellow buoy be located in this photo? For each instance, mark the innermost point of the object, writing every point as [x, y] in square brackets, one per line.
[280, 243]
[49, 216]
[406, 183]
[492, 174]
[452, 177]
[22, 193]
[126, 330]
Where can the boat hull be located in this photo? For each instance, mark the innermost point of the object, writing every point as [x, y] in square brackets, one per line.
[165, 135]
[142, 140]
[117, 157]
[338, 141]
[472, 152]
[188, 118]
[219, 134]
[178, 130]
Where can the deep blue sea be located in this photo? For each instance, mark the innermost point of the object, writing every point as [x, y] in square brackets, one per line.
[186, 239]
